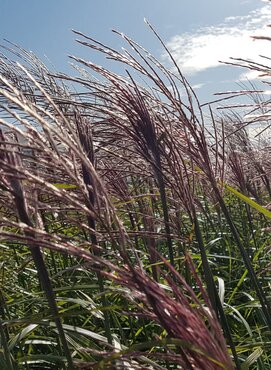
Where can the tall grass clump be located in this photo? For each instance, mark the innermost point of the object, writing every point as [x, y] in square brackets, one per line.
[134, 226]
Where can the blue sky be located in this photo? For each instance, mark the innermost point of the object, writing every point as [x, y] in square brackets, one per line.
[199, 32]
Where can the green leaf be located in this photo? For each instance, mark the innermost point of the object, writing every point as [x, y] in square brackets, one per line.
[252, 359]
[84, 332]
[21, 335]
[249, 201]
[65, 186]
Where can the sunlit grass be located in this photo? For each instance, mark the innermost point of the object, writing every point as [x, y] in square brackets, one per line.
[133, 233]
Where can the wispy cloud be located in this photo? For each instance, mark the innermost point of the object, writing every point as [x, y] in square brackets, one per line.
[205, 47]
[198, 86]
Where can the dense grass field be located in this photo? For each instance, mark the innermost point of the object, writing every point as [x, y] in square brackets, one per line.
[134, 223]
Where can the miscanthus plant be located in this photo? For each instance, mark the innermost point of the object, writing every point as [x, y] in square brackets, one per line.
[134, 229]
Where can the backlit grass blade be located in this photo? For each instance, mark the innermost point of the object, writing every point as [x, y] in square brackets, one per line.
[249, 201]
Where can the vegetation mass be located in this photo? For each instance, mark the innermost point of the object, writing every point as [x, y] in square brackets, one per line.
[134, 221]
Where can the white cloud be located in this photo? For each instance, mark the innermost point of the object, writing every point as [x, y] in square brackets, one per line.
[198, 86]
[205, 47]
[253, 75]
